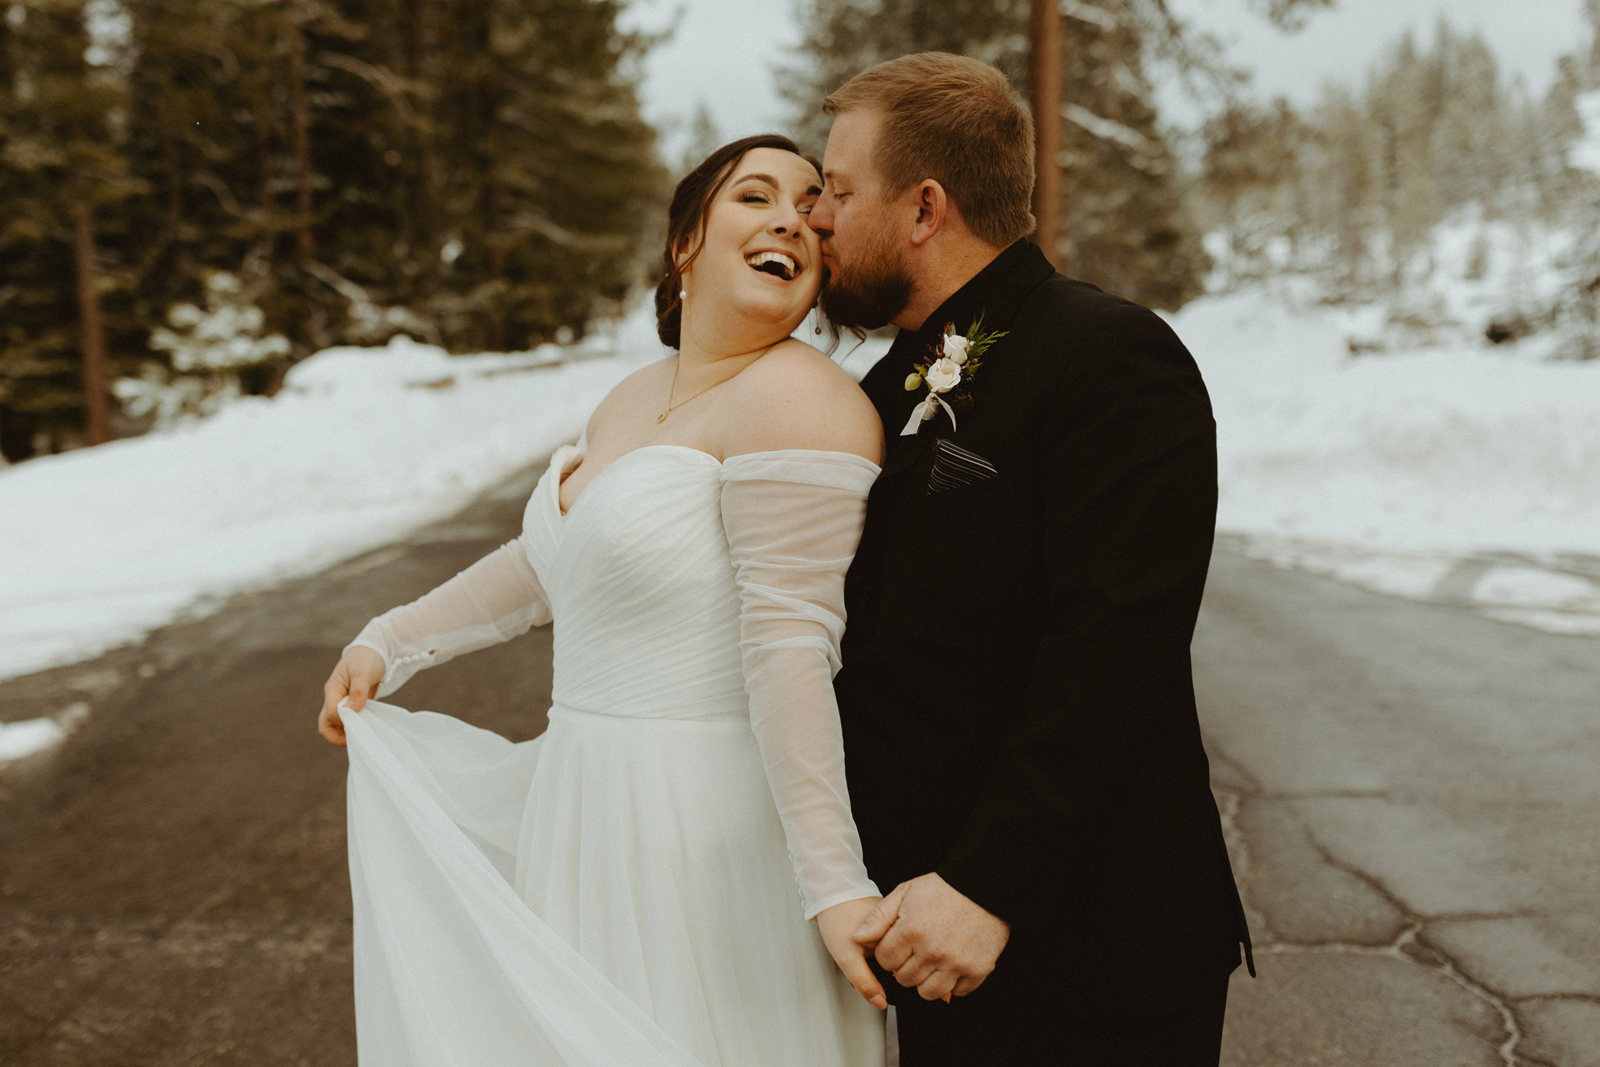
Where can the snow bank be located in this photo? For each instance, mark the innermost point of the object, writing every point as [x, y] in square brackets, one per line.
[1393, 469]
[19, 740]
[360, 447]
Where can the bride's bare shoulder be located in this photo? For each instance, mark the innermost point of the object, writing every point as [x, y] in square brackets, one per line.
[797, 397]
[639, 389]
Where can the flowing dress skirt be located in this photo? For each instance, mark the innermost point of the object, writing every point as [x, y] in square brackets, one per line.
[616, 892]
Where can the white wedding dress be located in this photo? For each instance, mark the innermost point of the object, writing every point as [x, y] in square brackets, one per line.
[621, 890]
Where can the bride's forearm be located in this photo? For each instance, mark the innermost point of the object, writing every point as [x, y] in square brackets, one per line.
[492, 601]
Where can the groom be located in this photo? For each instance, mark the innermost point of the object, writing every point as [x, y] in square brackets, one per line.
[1025, 762]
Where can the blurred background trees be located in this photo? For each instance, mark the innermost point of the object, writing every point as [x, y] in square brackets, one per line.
[1126, 223]
[1356, 184]
[1366, 192]
[1438, 172]
[472, 172]
[1115, 169]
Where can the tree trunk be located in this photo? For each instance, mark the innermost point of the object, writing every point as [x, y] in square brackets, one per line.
[97, 409]
[262, 102]
[302, 127]
[494, 241]
[418, 231]
[1045, 78]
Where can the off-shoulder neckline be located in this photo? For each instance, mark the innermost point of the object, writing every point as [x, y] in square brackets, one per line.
[558, 464]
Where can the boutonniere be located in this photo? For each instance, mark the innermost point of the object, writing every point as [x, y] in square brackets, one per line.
[947, 371]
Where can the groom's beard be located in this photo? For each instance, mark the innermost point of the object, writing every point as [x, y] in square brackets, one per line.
[867, 294]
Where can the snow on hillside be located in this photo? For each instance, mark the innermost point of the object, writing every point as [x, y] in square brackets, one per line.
[1455, 473]
[360, 447]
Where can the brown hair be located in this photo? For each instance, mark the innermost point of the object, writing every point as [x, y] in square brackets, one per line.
[958, 121]
[686, 221]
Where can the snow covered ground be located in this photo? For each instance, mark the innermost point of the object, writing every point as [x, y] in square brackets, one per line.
[1455, 472]
[1458, 473]
[360, 447]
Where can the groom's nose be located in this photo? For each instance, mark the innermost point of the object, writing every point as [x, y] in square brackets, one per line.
[821, 217]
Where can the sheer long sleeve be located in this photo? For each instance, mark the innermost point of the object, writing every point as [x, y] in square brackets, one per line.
[793, 520]
[491, 601]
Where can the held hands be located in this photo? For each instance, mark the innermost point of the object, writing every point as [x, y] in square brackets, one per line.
[837, 924]
[357, 676]
[932, 937]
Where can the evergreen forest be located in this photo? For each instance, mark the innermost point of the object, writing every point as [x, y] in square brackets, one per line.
[204, 191]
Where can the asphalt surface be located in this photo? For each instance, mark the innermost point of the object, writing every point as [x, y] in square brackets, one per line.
[1412, 797]
[1410, 791]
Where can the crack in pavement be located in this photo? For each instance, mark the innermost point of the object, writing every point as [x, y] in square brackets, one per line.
[1410, 945]
[1410, 939]
[1239, 848]
[1323, 794]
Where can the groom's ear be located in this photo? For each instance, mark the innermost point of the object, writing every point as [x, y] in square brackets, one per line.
[933, 207]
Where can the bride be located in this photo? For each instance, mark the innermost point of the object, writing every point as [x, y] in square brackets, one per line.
[622, 890]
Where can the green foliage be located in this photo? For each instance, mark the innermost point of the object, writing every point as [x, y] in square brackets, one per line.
[475, 172]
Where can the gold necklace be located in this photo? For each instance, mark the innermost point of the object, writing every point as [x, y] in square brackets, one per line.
[677, 363]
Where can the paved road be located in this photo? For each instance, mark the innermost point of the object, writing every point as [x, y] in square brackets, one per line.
[1413, 799]
[1408, 788]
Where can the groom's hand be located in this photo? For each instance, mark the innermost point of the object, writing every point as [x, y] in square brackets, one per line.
[932, 937]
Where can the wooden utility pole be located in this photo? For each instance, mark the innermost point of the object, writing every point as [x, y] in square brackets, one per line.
[1045, 78]
[97, 407]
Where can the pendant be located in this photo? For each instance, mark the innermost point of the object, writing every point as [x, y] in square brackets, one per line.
[663, 417]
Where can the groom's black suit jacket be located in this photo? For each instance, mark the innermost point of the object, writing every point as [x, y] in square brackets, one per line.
[1016, 696]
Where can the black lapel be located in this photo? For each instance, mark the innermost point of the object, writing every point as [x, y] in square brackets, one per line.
[995, 292]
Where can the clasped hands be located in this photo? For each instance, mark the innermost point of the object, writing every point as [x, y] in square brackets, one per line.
[925, 932]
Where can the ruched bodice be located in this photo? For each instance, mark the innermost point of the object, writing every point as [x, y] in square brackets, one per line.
[640, 583]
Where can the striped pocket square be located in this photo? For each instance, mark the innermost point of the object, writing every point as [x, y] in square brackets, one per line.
[954, 467]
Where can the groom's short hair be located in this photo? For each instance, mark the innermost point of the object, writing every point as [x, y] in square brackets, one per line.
[958, 121]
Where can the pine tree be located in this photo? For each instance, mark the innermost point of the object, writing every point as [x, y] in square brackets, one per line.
[1249, 152]
[61, 126]
[1573, 108]
[1125, 225]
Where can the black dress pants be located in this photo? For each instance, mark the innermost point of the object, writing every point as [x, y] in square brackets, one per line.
[1034, 1031]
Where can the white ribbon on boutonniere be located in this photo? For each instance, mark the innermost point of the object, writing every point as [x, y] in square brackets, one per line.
[943, 375]
[952, 366]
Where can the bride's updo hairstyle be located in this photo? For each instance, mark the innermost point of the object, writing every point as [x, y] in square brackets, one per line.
[686, 221]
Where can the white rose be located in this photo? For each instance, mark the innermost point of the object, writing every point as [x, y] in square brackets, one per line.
[943, 376]
[955, 347]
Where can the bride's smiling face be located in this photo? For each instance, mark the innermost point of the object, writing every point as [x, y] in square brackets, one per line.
[760, 260]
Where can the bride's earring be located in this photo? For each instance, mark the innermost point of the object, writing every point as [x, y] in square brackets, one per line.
[683, 294]
[816, 317]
